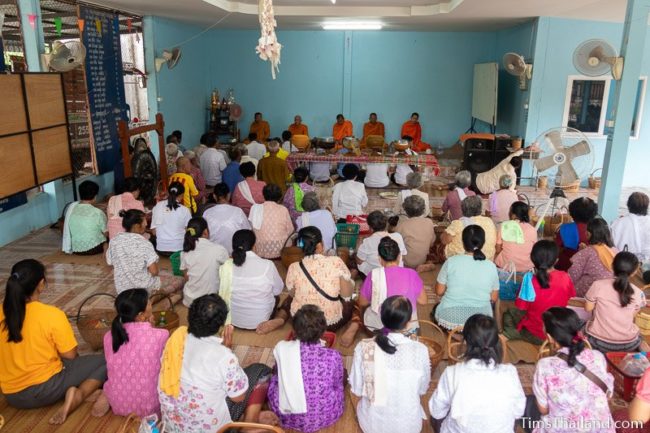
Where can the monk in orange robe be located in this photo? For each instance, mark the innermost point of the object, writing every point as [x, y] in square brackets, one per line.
[260, 128]
[412, 129]
[341, 129]
[372, 128]
[297, 127]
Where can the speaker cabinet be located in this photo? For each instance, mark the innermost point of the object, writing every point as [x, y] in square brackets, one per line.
[480, 160]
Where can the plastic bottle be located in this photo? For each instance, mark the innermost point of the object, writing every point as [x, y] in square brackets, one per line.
[152, 426]
[634, 364]
[163, 319]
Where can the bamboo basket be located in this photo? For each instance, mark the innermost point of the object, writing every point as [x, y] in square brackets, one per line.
[95, 324]
[594, 182]
[571, 187]
[171, 317]
[436, 350]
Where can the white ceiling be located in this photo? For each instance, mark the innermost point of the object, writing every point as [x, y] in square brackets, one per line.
[432, 15]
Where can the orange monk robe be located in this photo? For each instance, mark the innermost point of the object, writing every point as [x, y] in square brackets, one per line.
[370, 128]
[414, 130]
[262, 129]
[340, 131]
[301, 129]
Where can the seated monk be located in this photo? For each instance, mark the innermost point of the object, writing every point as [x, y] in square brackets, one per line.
[297, 127]
[412, 131]
[372, 128]
[341, 129]
[260, 128]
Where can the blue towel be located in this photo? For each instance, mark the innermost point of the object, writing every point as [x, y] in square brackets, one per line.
[570, 236]
[527, 291]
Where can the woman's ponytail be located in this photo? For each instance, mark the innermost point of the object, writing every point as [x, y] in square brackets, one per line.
[474, 240]
[479, 255]
[25, 277]
[564, 325]
[194, 231]
[242, 242]
[544, 255]
[576, 347]
[308, 239]
[384, 343]
[175, 189]
[396, 312]
[128, 305]
[625, 264]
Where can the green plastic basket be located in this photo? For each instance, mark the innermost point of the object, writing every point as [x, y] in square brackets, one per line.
[346, 235]
[176, 263]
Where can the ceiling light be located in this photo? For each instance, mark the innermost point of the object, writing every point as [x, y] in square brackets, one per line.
[353, 26]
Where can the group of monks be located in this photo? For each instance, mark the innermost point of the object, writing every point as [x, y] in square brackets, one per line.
[411, 129]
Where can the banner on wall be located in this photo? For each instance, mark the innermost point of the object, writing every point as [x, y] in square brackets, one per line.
[105, 82]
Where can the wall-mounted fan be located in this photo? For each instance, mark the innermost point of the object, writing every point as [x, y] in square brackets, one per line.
[566, 156]
[516, 65]
[597, 57]
[170, 58]
[66, 56]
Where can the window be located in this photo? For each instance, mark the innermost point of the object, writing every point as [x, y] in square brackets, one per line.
[586, 100]
[587, 104]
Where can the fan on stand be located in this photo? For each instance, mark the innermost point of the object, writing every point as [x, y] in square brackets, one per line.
[516, 65]
[170, 58]
[566, 157]
[66, 56]
[597, 57]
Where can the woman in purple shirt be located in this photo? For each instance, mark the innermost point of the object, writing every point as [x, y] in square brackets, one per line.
[306, 390]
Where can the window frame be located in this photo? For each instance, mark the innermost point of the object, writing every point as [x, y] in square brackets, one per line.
[605, 103]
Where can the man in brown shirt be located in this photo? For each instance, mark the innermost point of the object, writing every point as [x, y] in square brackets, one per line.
[417, 232]
[273, 170]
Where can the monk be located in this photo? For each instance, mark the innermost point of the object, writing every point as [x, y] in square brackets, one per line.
[372, 128]
[413, 130]
[297, 127]
[261, 128]
[341, 129]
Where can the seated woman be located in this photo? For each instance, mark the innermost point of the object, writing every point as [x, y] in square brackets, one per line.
[553, 288]
[376, 175]
[615, 303]
[224, 219]
[349, 197]
[414, 182]
[294, 195]
[565, 396]
[461, 395]
[249, 191]
[455, 196]
[502, 199]
[197, 176]
[84, 227]
[320, 280]
[313, 215]
[125, 201]
[169, 219]
[133, 349]
[417, 231]
[571, 235]
[134, 260]
[515, 239]
[39, 364]
[633, 230]
[201, 385]
[388, 280]
[367, 255]
[250, 285]
[307, 390]
[200, 261]
[271, 223]
[467, 283]
[594, 262]
[389, 374]
[472, 208]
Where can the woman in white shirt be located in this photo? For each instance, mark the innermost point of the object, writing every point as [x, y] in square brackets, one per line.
[169, 219]
[349, 197]
[224, 219]
[368, 254]
[322, 219]
[200, 261]
[633, 231]
[479, 394]
[250, 285]
[376, 175]
[389, 375]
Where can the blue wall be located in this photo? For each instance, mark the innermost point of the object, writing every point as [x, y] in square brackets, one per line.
[391, 73]
[556, 40]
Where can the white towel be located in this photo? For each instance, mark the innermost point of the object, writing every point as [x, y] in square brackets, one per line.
[246, 191]
[292, 387]
[372, 315]
[114, 206]
[67, 237]
[304, 219]
[380, 382]
[461, 193]
[256, 216]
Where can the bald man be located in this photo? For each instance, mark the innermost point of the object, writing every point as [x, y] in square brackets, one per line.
[341, 129]
[297, 127]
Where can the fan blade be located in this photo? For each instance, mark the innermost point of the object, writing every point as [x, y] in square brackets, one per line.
[578, 149]
[543, 164]
[554, 140]
[566, 174]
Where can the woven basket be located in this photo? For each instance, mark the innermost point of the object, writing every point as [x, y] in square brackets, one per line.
[291, 253]
[571, 187]
[546, 349]
[93, 325]
[376, 143]
[171, 317]
[594, 182]
[436, 350]
[301, 142]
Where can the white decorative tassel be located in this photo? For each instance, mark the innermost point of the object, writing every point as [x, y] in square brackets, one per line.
[268, 46]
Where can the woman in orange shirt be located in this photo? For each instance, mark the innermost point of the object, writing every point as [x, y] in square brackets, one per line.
[39, 364]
